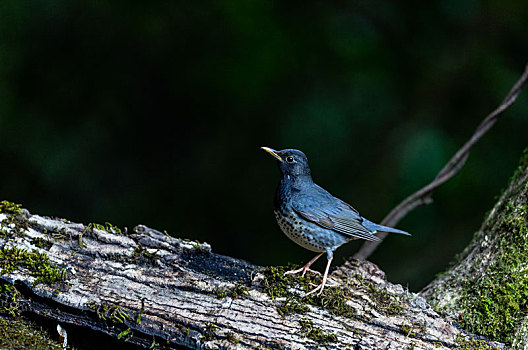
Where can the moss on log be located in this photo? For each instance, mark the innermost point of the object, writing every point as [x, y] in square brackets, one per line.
[142, 288]
[486, 289]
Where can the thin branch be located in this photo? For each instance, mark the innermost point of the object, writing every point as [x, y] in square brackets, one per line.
[423, 196]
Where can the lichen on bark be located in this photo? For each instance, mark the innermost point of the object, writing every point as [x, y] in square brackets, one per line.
[486, 290]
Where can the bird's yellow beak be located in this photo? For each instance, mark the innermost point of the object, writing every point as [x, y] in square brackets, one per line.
[272, 152]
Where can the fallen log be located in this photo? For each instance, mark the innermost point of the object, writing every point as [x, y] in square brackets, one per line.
[147, 289]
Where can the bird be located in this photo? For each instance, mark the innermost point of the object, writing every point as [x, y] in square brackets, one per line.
[312, 217]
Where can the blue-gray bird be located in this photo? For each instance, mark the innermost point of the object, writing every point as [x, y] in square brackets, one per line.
[313, 218]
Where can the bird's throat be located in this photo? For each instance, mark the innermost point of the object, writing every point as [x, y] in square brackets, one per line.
[295, 180]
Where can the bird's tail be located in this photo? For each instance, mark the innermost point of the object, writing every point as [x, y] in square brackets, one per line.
[375, 227]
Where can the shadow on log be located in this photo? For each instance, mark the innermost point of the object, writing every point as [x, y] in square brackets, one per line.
[149, 290]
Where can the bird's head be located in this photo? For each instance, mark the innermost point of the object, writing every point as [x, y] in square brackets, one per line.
[291, 162]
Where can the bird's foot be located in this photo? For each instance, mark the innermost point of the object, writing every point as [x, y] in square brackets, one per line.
[329, 283]
[306, 268]
[320, 287]
[303, 270]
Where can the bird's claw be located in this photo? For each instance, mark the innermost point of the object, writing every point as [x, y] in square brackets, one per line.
[318, 288]
[311, 271]
[303, 270]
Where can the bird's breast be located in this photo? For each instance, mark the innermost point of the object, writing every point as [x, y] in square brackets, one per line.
[297, 230]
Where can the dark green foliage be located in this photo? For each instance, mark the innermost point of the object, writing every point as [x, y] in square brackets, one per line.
[156, 113]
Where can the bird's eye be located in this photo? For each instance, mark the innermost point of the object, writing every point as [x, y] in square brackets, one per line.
[289, 159]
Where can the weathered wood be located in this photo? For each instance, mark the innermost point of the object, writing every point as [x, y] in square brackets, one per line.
[149, 288]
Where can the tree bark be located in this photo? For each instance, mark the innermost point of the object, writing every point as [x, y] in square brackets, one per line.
[147, 289]
[486, 290]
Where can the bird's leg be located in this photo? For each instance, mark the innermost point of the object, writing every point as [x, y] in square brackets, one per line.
[322, 285]
[306, 267]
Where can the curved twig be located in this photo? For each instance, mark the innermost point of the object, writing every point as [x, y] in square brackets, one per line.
[453, 166]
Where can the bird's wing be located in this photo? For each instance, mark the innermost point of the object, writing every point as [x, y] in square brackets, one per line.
[334, 214]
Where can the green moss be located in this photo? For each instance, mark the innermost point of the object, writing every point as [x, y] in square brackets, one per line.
[231, 338]
[143, 255]
[7, 207]
[495, 303]
[308, 330]
[384, 301]
[194, 242]
[209, 332]
[108, 227]
[292, 305]
[466, 343]
[14, 217]
[37, 263]
[18, 334]
[221, 293]
[61, 234]
[185, 331]
[154, 344]
[407, 329]
[4, 234]
[237, 291]
[141, 311]
[277, 285]
[126, 334]
[80, 240]
[523, 163]
[109, 312]
[41, 243]
[8, 299]
[412, 329]
[333, 299]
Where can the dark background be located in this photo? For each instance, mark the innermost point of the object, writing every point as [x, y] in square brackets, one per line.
[154, 112]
